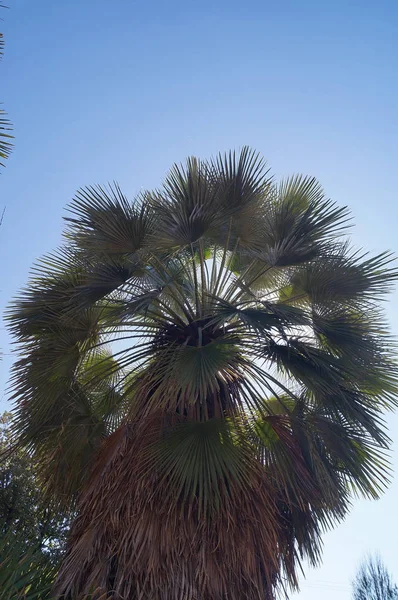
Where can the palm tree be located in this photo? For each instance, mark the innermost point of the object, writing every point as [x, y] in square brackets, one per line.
[205, 370]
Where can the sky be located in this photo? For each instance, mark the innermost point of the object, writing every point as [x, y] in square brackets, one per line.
[102, 91]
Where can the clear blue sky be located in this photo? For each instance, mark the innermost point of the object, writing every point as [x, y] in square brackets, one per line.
[118, 90]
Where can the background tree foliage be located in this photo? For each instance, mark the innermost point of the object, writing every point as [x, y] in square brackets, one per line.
[373, 582]
[32, 534]
[25, 515]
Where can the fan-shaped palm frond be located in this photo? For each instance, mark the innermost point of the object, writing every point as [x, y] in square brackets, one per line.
[24, 576]
[205, 368]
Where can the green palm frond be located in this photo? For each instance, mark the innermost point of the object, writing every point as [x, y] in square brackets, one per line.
[202, 461]
[24, 576]
[206, 369]
[300, 221]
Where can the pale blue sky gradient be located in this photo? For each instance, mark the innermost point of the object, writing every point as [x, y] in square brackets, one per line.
[118, 90]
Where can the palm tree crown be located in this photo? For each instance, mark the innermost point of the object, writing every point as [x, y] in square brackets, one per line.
[205, 370]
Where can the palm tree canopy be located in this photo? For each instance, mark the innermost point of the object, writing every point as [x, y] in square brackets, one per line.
[206, 368]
